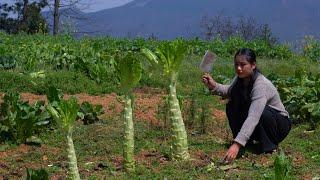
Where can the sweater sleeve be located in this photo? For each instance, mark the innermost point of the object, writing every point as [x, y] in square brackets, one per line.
[258, 103]
[222, 90]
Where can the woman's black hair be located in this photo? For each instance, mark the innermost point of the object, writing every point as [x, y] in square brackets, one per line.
[249, 53]
[238, 92]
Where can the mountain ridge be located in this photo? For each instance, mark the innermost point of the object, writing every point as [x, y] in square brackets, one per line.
[168, 19]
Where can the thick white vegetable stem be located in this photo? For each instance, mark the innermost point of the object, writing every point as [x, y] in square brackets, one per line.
[128, 149]
[180, 141]
[72, 157]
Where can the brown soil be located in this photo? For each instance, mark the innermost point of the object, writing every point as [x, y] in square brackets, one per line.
[147, 158]
[21, 149]
[147, 104]
[219, 115]
[201, 159]
[299, 159]
[147, 101]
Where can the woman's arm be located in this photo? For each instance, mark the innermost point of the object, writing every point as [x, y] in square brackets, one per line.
[214, 87]
[221, 90]
[209, 82]
[259, 101]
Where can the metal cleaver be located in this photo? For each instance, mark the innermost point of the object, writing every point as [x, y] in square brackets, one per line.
[207, 61]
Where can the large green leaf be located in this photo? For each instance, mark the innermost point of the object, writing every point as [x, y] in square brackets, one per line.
[69, 110]
[129, 70]
[150, 55]
[170, 55]
[64, 112]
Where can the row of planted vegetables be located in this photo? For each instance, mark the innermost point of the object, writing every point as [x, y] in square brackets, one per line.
[94, 57]
[34, 52]
[25, 117]
[38, 52]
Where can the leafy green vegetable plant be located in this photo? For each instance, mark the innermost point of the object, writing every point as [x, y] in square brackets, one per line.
[129, 70]
[37, 174]
[19, 120]
[169, 56]
[282, 166]
[301, 95]
[89, 113]
[64, 112]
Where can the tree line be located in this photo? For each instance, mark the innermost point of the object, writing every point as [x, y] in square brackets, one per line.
[25, 15]
[224, 27]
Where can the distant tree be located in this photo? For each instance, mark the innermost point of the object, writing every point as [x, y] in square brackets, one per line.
[247, 28]
[217, 27]
[208, 25]
[7, 23]
[223, 27]
[66, 8]
[266, 34]
[23, 16]
[228, 29]
[25, 11]
[153, 37]
[32, 22]
[56, 17]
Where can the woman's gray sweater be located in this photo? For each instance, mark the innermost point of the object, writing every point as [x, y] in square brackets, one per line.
[263, 93]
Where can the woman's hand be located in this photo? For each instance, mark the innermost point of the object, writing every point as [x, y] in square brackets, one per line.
[232, 152]
[209, 82]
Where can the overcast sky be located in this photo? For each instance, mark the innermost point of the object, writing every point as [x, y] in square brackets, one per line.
[92, 5]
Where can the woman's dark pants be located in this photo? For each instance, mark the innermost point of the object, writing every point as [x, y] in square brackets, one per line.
[270, 131]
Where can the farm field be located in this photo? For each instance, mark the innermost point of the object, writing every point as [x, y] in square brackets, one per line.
[86, 70]
[99, 151]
